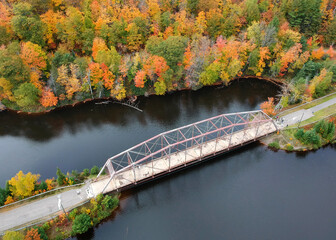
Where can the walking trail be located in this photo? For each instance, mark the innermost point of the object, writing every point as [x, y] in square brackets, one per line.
[305, 114]
[42, 209]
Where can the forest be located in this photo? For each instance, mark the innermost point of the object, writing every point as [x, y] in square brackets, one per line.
[59, 52]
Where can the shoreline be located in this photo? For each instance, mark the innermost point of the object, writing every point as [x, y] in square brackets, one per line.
[301, 150]
[277, 82]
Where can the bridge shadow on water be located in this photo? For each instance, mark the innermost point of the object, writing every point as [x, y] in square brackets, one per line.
[191, 179]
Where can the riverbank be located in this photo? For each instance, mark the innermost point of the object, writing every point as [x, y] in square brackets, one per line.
[306, 127]
[253, 186]
[278, 82]
[78, 221]
[39, 216]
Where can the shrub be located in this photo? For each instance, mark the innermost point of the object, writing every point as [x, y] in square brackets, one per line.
[43, 186]
[95, 221]
[86, 172]
[102, 214]
[289, 147]
[73, 214]
[99, 198]
[60, 177]
[13, 236]
[3, 196]
[274, 145]
[299, 134]
[32, 234]
[42, 233]
[331, 131]
[321, 128]
[46, 226]
[325, 129]
[311, 137]
[109, 202]
[74, 173]
[94, 170]
[59, 237]
[81, 224]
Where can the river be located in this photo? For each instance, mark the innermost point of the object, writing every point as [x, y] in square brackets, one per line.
[252, 193]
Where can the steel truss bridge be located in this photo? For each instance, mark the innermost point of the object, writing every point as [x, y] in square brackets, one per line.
[180, 147]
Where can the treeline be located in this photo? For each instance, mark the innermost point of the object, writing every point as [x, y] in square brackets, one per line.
[56, 52]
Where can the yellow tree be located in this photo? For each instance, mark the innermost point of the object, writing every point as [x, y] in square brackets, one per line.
[119, 92]
[51, 19]
[184, 25]
[134, 38]
[69, 81]
[6, 90]
[98, 45]
[320, 84]
[153, 8]
[302, 59]
[22, 185]
[73, 85]
[201, 23]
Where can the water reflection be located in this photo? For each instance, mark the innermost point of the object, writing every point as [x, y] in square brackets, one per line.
[165, 110]
[88, 134]
[253, 193]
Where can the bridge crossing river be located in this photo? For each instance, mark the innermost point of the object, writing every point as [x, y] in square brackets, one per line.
[179, 148]
[167, 152]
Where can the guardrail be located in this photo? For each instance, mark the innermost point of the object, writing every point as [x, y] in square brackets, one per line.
[41, 194]
[46, 219]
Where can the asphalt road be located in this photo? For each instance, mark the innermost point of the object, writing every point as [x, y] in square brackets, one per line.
[295, 117]
[41, 208]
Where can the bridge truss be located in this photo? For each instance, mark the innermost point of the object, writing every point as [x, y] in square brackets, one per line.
[209, 137]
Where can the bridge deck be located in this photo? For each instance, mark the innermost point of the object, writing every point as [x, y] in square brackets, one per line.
[167, 163]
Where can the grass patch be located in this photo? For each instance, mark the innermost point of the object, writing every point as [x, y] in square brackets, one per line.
[321, 114]
[275, 145]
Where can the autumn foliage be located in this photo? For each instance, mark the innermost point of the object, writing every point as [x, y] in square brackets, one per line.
[22, 185]
[268, 107]
[95, 49]
[32, 234]
[48, 98]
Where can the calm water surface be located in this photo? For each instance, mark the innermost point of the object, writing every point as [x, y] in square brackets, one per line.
[252, 193]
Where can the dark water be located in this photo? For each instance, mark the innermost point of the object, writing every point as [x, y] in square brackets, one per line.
[84, 136]
[253, 193]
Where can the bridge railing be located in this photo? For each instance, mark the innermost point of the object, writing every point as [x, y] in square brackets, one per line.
[183, 138]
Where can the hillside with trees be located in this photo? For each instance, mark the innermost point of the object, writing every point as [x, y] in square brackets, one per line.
[57, 52]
